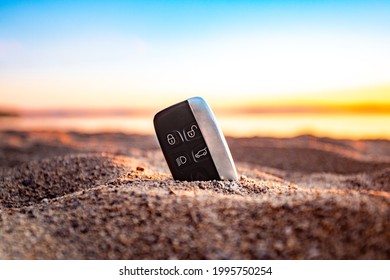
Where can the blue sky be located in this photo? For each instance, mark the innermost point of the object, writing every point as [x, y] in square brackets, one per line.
[178, 20]
[109, 53]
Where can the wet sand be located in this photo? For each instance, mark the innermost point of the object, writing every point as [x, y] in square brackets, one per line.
[111, 196]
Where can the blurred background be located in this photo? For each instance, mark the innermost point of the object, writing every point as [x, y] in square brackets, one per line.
[267, 68]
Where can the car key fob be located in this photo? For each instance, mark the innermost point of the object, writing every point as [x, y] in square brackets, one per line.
[192, 142]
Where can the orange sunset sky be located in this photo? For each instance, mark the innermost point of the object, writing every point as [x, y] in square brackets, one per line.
[241, 56]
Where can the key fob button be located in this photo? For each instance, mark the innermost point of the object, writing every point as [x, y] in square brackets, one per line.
[192, 132]
[200, 153]
[182, 160]
[174, 139]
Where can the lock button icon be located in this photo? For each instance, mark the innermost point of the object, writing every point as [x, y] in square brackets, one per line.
[171, 139]
[192, 132]
[174, 138]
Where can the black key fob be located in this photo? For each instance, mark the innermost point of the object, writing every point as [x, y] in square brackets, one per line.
[192, 142]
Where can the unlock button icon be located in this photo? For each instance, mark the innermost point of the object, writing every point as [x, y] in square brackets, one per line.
[192, 132]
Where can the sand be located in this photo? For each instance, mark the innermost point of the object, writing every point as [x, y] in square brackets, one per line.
[111, 196]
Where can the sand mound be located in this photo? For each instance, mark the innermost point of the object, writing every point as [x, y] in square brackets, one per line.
[309, 155]
[124, 205]
[381, 180]
[37, 180]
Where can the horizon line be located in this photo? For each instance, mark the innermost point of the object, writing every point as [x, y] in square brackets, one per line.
[333, 109]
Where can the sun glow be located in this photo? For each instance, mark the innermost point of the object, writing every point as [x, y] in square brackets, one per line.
[291, 57]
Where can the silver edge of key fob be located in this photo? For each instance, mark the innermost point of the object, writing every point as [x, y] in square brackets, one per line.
[214, 138]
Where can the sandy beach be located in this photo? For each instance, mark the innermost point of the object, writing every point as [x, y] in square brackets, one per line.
[68, 195]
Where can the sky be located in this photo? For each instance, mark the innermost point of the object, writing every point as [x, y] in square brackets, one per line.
[151, 54]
